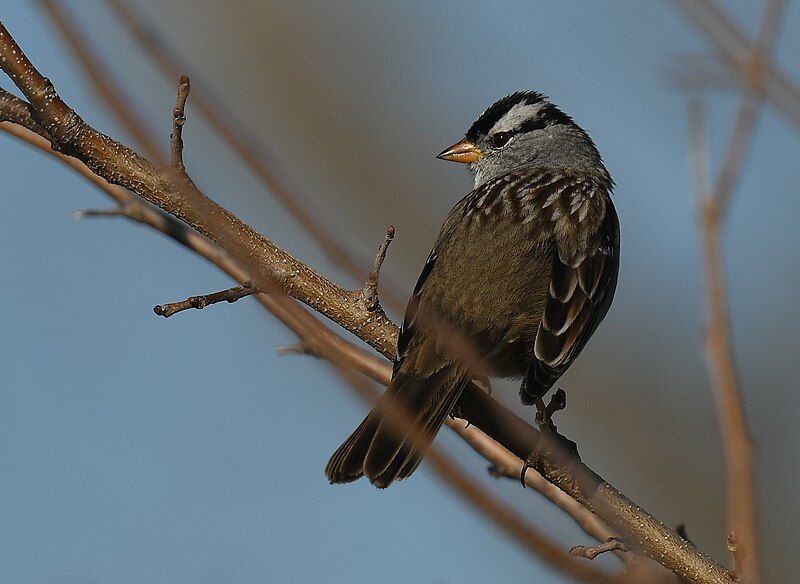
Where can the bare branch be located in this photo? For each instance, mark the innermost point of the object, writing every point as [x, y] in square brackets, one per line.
[103, 80]
[117, 211]
[300, 348]
[737, 555]
[178, 120]
[370, 291]
[590, 553]
[680, 529]
[13, 109]
[199, 302]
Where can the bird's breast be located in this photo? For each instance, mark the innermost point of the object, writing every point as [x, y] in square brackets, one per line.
[495, 258]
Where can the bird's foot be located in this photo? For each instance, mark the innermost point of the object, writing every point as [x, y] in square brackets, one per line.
[551, 443]
[544, 413]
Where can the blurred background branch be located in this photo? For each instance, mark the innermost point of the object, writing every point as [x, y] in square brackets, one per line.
[712, 203]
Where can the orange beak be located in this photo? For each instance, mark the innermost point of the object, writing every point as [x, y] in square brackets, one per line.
[464, 151]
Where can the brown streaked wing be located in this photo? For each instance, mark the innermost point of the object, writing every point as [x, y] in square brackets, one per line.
[573, 312]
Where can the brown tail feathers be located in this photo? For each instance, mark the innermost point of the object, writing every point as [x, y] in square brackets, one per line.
[391, 441]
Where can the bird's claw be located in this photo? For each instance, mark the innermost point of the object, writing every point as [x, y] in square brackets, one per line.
[550, 438]
[544, 413]
[525, 466]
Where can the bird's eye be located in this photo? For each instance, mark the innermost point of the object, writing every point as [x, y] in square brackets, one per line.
[500, 139]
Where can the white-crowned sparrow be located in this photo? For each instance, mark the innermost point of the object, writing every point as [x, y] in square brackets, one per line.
[523, 271]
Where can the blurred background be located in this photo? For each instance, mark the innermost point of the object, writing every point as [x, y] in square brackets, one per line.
[139, 449]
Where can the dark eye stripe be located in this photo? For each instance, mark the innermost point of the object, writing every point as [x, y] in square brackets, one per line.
[497, 110]
[531, 125]
[549, 116]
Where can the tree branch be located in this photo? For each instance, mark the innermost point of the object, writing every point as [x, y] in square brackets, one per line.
[100, 78]
[200, 302]
[590, 553]
[178, 120]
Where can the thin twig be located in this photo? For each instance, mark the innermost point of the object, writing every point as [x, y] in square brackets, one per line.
[132, 208]
[178, 120]
[370, 291]
[610, 545]
[300, 348]
[737, 556]
[680, 529]
[199, 302]
[117, 211]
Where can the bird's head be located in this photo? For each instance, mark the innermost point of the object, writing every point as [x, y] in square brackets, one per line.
[525, 131]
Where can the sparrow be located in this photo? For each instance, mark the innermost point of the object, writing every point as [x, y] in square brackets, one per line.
[523, 271]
